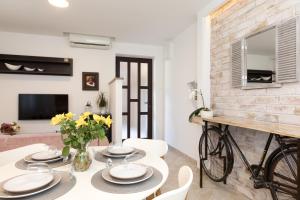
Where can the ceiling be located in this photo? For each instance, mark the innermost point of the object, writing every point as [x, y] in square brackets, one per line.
[137, 21]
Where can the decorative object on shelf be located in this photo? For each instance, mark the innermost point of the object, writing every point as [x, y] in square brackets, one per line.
[90, 81]
[102, 103]
[40, 69]
[206, 113]
[12, 67]
[10, 128]
[203, 111]
[77, 134]
[35, 65]
[88, 107]
[29, 69]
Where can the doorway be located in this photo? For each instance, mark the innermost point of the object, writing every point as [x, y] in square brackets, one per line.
[136, 96]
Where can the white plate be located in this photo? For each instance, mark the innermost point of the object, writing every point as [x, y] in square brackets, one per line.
[120, 150]
[107, 154]
[46, 155]
[5, 195]
[28, 159]
[27, 182]
[128, 171]
[106, 176]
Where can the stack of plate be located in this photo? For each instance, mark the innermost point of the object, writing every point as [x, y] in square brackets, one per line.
[125, 174]
[28, 184]
[118, 151]
[44, 156]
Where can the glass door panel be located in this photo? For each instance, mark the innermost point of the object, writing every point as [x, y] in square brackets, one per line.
[144, 74]
[144, 100]
[134, 120]
[124, 72]
[133, 80]
[144, 126]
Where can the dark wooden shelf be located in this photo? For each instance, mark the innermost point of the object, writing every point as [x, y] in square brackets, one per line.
[52, 66]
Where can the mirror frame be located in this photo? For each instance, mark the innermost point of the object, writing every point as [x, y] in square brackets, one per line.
[245, 84]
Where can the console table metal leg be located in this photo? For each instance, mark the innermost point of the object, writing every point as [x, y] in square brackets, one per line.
[201, 166]
[298, 173]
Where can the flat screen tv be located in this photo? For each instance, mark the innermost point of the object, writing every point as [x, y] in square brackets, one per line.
[42, 106]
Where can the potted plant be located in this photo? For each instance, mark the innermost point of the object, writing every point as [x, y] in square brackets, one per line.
[102, 103]
[77, 134]
[203, 111]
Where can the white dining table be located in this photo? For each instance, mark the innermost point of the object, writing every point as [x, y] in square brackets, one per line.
[83, 188]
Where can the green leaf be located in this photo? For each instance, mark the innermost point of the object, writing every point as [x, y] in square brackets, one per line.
[194, 113]
[67, 141]
[66, 151]
[101, 133]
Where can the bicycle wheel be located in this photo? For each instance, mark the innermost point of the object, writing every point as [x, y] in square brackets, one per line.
[282, 173]
[215, 154]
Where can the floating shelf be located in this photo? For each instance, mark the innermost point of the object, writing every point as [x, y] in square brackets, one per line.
[52, 66]
[255, 76]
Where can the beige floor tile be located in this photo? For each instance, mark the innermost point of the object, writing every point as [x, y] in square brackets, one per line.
[211, 190]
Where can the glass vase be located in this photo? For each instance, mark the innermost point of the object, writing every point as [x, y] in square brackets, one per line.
[82, 160]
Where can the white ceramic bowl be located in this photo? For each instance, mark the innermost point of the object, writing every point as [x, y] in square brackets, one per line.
[266, 78]
[29, 69]
[12, 67]
[40, 69]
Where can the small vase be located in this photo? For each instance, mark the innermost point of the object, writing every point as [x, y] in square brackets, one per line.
[82, 160]
[206, 114]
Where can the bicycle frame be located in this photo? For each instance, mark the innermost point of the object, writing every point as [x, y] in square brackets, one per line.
[259, 181]
[242, 155]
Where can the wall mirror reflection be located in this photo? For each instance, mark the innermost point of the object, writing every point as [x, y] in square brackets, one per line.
[261, 56]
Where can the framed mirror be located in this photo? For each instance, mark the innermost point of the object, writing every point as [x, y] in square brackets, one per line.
[267, 58]
[260, 55]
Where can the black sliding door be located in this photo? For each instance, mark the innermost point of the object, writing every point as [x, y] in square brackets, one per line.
[137, 96]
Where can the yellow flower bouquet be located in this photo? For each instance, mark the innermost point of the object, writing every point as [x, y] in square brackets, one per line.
[78, 133]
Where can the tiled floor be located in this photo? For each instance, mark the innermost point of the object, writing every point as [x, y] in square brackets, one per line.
[211, 190]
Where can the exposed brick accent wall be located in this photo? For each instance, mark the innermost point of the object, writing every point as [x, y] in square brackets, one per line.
[275, 104]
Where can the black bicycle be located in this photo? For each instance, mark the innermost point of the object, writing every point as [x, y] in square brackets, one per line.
[278, 173]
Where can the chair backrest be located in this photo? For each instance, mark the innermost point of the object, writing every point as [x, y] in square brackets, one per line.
[185, 178]
[156, 147]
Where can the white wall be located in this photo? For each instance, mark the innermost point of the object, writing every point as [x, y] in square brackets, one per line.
[181, 69]
[190, 60]
[89, 60]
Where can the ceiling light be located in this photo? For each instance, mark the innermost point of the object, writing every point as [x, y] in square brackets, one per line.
[59, 3]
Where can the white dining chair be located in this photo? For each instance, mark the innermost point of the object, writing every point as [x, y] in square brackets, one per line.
[185, 178]
[156, 147]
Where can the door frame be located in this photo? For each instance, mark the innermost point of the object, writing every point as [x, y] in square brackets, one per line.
[149, 112]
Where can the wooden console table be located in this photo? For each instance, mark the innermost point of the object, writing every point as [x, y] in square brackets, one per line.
[287, 130]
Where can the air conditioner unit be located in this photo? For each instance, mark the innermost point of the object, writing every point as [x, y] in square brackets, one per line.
[90, 41]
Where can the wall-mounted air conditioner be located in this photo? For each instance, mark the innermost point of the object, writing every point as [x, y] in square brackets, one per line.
[90, 41]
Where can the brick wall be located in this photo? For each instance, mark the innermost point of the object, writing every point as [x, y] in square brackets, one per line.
[274, 104]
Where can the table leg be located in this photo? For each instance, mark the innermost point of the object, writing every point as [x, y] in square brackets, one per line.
[201, 166]
[298, 173]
